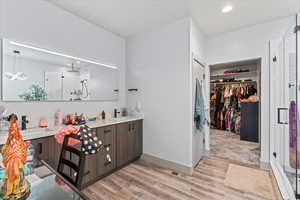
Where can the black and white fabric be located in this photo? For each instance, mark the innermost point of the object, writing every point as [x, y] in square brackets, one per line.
[90, 142]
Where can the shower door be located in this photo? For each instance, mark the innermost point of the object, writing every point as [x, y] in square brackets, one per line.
[284, 117]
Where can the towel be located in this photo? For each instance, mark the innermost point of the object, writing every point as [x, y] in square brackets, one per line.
[66, 130]
[91, 143]
[199, 115]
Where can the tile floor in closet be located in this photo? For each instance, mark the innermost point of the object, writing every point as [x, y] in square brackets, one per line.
[228, 145]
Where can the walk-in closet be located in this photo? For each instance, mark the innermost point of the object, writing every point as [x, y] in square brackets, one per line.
[235, 110]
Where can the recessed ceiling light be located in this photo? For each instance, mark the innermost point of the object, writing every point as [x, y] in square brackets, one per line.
[227, 9]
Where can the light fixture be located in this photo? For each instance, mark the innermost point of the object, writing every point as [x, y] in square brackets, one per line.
[63, 55]
[15, 75]
[227, 9]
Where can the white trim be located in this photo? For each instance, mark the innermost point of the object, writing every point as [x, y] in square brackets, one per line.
[167, 164]
[284, 185]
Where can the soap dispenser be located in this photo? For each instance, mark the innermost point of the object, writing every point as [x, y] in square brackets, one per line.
[24, 122]
[103, 115]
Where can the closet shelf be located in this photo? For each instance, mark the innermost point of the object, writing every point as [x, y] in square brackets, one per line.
[236, 82]
[219, 76]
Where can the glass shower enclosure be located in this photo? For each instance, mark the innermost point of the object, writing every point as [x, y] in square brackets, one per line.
[284, 111]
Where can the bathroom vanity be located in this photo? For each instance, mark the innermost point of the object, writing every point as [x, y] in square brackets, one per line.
[58, 77]
[122, 140]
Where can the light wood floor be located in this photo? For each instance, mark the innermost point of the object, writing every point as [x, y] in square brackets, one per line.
[138, 181]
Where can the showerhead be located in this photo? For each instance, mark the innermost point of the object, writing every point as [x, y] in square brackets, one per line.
[73, 70]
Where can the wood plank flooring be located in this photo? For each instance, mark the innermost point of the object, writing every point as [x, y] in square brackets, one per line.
[140, 181]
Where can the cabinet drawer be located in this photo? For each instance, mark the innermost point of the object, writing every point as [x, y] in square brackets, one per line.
[42, 148]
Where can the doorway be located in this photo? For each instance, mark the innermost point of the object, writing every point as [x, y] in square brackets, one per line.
[200, 91]
[235, 90]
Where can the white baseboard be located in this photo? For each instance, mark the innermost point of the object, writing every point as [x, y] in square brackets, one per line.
[167, 164]
[284, 185]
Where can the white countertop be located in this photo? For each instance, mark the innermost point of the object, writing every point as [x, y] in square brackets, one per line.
[34, 133]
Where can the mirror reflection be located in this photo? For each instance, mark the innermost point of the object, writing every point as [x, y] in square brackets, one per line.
[35, 74]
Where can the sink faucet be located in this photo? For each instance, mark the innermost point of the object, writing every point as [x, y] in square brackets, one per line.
[24, 122]
[116, 113]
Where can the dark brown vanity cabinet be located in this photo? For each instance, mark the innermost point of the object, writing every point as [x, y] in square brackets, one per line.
[129, 142]
[122, 144]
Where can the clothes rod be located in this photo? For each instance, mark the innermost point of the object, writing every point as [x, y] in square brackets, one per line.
[197, 61]
[223, 83]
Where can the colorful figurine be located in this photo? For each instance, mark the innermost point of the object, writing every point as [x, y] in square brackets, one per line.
[14, 158]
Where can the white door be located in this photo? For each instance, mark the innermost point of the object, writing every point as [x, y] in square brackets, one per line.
[199, 72]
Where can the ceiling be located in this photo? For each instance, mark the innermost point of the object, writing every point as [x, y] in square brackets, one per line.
[130, 17]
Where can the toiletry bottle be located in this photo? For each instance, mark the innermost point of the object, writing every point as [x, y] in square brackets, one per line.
[24, 121]
[103, 115]
[58, 118]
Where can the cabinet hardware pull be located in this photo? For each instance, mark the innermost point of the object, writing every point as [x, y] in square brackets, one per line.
[129, 127]
[40, 148]
[133, 126]
[107, 131]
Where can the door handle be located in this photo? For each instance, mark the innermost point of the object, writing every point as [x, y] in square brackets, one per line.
[107, 131]
[279, 115]
[40, 148]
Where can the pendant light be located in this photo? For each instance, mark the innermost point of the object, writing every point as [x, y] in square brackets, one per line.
[15, 75]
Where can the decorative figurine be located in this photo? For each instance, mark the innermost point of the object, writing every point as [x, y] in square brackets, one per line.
[14, 158]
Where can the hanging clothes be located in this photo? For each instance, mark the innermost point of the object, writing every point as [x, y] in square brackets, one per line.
[294, 153]
[226, 109]
[199, 114]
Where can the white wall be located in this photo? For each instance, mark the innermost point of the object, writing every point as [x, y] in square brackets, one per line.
[197, 49]
[158, 65]
[251, 42]
[41, 24]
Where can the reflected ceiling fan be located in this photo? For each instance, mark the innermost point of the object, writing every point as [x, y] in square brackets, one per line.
[15, 75]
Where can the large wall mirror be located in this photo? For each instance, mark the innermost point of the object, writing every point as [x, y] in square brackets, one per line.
[32, 73]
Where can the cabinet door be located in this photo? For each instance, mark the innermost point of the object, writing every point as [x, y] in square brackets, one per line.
[106, 159]
[122, 143]
[131, 141]
[52, 151]
[90, 168]
[42, 148]
[138, 128]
